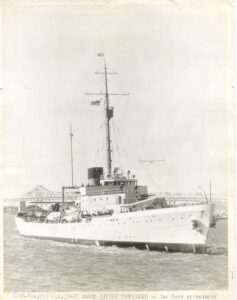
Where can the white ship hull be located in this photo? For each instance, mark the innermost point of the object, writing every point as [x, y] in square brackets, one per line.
[171, 229]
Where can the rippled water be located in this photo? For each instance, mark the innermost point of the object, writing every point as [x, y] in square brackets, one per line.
[32, 265]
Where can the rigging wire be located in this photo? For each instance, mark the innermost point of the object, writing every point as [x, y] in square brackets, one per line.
[116, 85]
[117, 147]
[139, 162]
[150, 176]
[103, 142]
[99, 141]
[121, 90]
[121, 141]
[119, 136]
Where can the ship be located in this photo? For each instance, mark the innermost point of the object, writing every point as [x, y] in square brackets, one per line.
[113, 209]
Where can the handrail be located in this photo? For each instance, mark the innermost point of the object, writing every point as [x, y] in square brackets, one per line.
[98, 193]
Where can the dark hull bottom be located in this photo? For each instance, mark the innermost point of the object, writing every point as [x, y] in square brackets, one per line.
[148, 246]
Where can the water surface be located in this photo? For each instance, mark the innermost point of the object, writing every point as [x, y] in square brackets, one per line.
[32, 265]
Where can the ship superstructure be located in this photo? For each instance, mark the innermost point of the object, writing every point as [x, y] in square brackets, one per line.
[113, 209]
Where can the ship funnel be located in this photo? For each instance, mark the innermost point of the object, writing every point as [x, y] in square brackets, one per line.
[94, 175]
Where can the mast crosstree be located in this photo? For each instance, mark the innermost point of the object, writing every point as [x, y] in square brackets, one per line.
[108, 112]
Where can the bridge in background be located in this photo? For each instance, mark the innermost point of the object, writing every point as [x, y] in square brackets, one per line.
[44, 198]
[39, 196]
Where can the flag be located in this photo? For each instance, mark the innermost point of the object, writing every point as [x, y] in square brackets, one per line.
[100, 54]
[96, 102]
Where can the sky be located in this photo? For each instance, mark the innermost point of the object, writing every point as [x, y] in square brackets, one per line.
[173, 58]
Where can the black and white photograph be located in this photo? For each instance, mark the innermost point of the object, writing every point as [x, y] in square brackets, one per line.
[118, 148]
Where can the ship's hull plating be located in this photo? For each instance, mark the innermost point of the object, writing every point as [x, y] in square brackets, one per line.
[170, 229]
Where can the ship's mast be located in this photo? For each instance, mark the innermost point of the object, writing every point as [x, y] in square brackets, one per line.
[108, 113]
